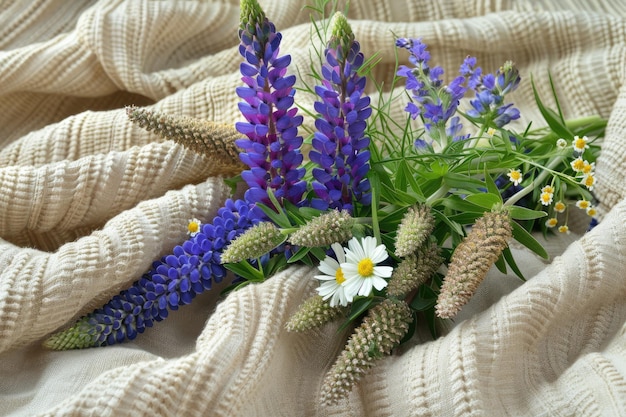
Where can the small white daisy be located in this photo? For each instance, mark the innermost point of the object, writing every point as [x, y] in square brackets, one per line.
[361, 270]
[333, 279]
[193, 227]
[561, 143]
[516, 176]
[580, 144]
[551, 222]
[559, 207]
[583, 204]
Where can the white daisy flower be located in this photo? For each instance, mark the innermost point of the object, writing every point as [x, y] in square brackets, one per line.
[193, 227]
[361, 270]
[331, 282]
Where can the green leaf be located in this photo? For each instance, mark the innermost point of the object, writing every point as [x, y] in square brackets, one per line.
[246, 270]
[526, 239]
[319, 253]
[411, 179]
[300, 253]
[455, 227]
[501, 264]
[550, 116]
[462, 182]
[491, 185]
[425, 299]
[280, 219]
[276, 264]
[511, 261]
[523, 213]
[439, 168]
[484, 200]
[458, 204]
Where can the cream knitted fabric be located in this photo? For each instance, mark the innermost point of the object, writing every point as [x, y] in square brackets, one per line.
[88, 201]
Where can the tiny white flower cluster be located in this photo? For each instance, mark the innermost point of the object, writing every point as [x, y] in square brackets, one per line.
[584, 171]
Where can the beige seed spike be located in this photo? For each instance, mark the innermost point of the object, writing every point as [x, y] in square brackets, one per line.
[215, 141]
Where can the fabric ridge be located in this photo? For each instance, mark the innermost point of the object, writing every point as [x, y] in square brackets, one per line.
[88, 200]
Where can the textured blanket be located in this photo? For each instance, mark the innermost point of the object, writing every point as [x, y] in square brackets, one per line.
[88, 200]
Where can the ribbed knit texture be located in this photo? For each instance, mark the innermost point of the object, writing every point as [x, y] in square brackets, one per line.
[88, 200]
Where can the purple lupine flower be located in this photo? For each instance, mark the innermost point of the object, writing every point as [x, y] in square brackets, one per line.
[271, 152]
[272, 147]
[488, 105]
[431, 99]
[340, 147]
[173, 281]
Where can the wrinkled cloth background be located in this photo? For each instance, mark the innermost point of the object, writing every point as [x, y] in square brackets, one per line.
[88, 201]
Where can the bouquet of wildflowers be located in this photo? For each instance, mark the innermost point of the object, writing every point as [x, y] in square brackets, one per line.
[401, 218]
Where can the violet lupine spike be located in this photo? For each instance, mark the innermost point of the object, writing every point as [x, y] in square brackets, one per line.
[340, 148]
[431, 99]
[489, 106]
[272, 147]
[177, 278]
[173, 281]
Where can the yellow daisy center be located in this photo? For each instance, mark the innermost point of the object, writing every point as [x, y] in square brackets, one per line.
[578, 164]
[559, 206]
[515, 175]
[193, 227]
[589, 180]
[339, 276]
[580, 143]
[365, 267]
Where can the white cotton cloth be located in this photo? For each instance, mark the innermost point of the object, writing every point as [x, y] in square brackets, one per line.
[88, 201]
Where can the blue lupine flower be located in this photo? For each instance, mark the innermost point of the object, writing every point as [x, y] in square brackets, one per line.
[431, 99]
[173, 281]
[340, 148]
[488, 106]
[272, 153]
[272, 147]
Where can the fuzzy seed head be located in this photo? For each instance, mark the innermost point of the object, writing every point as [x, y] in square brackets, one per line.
[324, 230]
[381, 330]
[471, 260]
[254, 243]
[414, 270]
[313, 312]
[214, 141]
[416, 226]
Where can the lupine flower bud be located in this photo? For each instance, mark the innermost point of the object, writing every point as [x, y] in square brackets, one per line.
[340, 147]
[173, 281]
[489, 102]
[254, 243]
[324, 230]
[214, 140]
[78, 336]
[381, 330]
[313, 312]
[416, 226]
[272, 144]
[431, 99]
[414, 270]
[471, 260]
